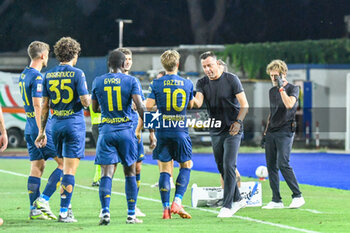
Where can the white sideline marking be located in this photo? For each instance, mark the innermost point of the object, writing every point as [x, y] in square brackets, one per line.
[11, 193]
[205, 210]
[312, 211]
[123, 180]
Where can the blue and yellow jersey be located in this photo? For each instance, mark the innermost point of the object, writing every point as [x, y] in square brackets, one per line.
[172, 94]
[114, 91]
[63, 85]
[134, 114]
[30, 85]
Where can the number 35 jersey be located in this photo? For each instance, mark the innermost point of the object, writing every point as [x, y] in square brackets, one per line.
[63, 85]
[114, 91]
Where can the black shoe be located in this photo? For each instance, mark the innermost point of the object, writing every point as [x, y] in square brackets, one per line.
[105, 219]
[94, 184]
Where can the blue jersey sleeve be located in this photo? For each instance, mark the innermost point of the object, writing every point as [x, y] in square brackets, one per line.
[45, 91]
[152, 94]
[81, 84]
[93, 90]
[191, 90]
[37, 87]
[140, 87]
[135, 87]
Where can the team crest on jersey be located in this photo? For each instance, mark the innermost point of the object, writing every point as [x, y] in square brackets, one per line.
[39, 78]
[39, 88]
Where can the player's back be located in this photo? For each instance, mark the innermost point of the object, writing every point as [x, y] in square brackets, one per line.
[114, 93]
[63, 85]
[30, 84]
[172, 94]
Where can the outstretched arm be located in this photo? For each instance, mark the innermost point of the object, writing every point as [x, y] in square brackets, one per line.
[198, 100]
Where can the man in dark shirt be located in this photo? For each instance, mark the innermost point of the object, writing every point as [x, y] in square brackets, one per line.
[280, 134]
[226, 102]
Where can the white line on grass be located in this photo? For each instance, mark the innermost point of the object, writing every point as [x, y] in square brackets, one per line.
[201, 209]
[312, 211]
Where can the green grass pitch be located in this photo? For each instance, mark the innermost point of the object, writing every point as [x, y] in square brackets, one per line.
[326, 209]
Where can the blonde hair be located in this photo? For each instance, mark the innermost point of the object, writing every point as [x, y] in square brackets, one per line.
[36, 48]
[170, 59]
[277, 65]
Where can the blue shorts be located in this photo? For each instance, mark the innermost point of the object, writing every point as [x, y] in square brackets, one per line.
[46, 152]
[115, 147]
[69, 138]
[176, 146]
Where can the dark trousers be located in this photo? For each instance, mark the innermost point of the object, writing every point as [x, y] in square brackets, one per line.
[95, 132]
[278, 147]
[225, 148]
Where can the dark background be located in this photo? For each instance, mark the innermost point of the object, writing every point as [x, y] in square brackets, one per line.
[168, 23]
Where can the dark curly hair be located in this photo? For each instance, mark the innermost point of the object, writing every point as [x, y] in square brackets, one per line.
[66, 48]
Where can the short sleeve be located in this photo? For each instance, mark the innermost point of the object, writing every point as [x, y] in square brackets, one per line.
[191, 90]
[45, 91]
[199, 86]
[294, 92]
[37, 86]
[237, 85]
[140, 87]
[152, 94]
[93, 90]
[135, 88]
[81, 84]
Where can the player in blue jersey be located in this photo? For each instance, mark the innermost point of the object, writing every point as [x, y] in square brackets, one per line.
[30, 84]
[65, 90]
[137, 127]
[172, 95]
[112, 94]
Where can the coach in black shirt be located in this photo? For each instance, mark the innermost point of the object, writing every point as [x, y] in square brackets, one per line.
[280, 134]
[225, 99]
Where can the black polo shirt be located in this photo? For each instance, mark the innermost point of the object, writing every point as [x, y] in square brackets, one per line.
[280, 116]
[220, 99]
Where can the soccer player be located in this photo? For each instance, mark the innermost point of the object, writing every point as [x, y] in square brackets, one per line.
[172, 185]
[65, 90]
[137, 126]
[30, 84]
[172, 94]
[3, 133]
[112, 94]
[226, 101]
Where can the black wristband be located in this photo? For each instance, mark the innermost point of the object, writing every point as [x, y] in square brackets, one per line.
[239, 122]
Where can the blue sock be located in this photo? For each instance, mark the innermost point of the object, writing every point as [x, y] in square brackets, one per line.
[138, 181]
[182, 182]
[131, 193]
[33, 189]
[52, 184]
[105, 190]
[67, 187]
[164, 188]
